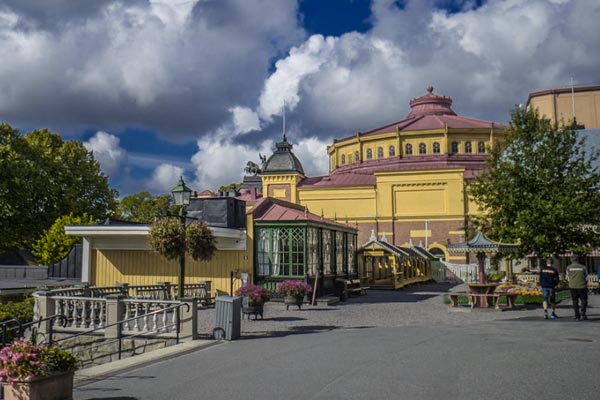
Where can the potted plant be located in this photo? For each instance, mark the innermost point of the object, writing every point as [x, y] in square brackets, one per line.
[30, 371]
[255, 297]
[293, 292]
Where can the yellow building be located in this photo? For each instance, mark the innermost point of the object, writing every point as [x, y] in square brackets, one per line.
[404, 180]
[120, 253]
[565, 104]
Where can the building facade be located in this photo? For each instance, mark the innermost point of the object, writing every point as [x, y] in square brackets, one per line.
[563, 105]
[404, 180]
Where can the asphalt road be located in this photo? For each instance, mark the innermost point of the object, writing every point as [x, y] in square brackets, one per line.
[502, 355]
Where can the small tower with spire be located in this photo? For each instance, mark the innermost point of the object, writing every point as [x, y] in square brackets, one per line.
[282, 171]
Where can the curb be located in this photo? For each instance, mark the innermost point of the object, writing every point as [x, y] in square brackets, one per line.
[100, 372]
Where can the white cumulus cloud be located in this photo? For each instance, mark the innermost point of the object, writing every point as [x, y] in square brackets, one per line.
[165, 177]
[107, 152]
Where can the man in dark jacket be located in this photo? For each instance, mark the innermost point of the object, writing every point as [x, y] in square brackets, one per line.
[577, 277]
[548, 281]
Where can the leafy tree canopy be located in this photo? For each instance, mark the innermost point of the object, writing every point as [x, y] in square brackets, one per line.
[55, 244]
[540, 189]
[43, 177]
[231, 186]
[144, 207]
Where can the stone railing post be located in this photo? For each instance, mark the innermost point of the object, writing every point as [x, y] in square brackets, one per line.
[124, 288]
[189, 318]
[114, 313]
[166, 289]
[44, 307]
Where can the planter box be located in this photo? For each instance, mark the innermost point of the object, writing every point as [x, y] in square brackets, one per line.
[53, 387]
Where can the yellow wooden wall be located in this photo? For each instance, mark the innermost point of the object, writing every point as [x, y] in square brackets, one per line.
[144, 267]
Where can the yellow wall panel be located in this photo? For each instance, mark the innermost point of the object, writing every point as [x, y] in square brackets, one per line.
[432, 201]
[143, 267]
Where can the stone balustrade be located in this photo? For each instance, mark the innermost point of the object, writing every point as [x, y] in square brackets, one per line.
[147, 317]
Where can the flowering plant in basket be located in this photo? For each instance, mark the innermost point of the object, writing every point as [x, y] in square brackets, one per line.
[256, 294]
[293, 288]
[23, 360]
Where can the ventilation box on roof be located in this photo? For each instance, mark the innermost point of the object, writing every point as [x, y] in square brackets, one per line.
[222, 212]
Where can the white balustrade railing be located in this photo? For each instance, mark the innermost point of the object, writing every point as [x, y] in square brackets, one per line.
[149, 316]
[467, 273]
[81, 313]
[116, 315]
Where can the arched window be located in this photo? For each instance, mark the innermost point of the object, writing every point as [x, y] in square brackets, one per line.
[436, 147]
[343, 159]
[468, 147]
[392, 151]
[422, 148]
[408, 149]
[380, 152]
[356, 156]
[481, 147]
[455, 147]
[369, 154]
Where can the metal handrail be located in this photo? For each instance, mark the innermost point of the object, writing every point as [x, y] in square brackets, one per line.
[23, 326]
[5, 329]
[120, 324]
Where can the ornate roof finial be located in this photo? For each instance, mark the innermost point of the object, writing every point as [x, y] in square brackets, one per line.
[430, 89]
[410, 243]
[322, 214]
[305, 211]
[373, 237]
[283, 112]
[383, 238]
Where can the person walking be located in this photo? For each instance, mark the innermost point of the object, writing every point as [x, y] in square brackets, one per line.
[548, 281]
[577, 277]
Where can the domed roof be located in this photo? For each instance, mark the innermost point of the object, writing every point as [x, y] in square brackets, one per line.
[430, 104]
[283, 160]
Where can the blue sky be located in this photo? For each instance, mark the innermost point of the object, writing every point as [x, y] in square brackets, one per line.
[162, 88]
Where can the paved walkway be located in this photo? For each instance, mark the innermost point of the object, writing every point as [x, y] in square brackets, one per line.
[420, 305]
[388, 344]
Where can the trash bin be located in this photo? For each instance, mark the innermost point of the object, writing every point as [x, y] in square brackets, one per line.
[228, 317]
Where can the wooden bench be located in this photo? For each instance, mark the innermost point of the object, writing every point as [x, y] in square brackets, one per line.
[474, 297]
[353, 286]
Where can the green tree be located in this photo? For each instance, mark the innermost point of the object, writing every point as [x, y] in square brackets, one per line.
[43, 177]
[143, 207]
[227, 188]
[540, 188]
[55, 244]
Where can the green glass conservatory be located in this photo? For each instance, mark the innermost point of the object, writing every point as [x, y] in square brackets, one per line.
[292, 243]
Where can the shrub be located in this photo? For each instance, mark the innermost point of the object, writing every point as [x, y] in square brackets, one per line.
[55, 244]
[23, 310]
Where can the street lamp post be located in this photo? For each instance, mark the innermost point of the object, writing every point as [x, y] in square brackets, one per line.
[181, 197]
